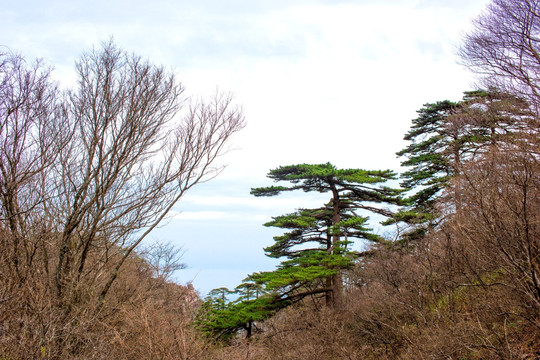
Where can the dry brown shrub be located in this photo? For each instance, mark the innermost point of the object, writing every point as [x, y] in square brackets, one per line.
[305, 333]
[144, 317]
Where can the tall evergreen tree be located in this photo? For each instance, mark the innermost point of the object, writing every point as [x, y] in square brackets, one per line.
[317, 243]
[444, 135]
[429, 167]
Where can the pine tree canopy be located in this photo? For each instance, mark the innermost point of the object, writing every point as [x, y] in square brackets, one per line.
[326, 178]
[447, 134]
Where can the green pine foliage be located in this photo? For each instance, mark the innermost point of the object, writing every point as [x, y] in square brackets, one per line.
[316, 245]
[444, 136]
[317, 241]
[323, 177]
[426, 155]
[221, 319]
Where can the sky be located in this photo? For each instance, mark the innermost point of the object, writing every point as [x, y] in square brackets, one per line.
[319, 81]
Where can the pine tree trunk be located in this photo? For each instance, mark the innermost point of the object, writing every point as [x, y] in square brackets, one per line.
[337, 298]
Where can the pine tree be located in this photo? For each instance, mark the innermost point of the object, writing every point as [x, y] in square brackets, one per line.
[317, 243]
[221, 319]
[444, 136]
[430, 168]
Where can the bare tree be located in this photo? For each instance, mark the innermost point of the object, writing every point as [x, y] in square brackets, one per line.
[164, 258]
[86, 176]
[505, 47]
[130, 159]
[31, 135]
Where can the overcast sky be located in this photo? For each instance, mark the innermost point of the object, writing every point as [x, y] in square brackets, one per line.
[319, 81]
